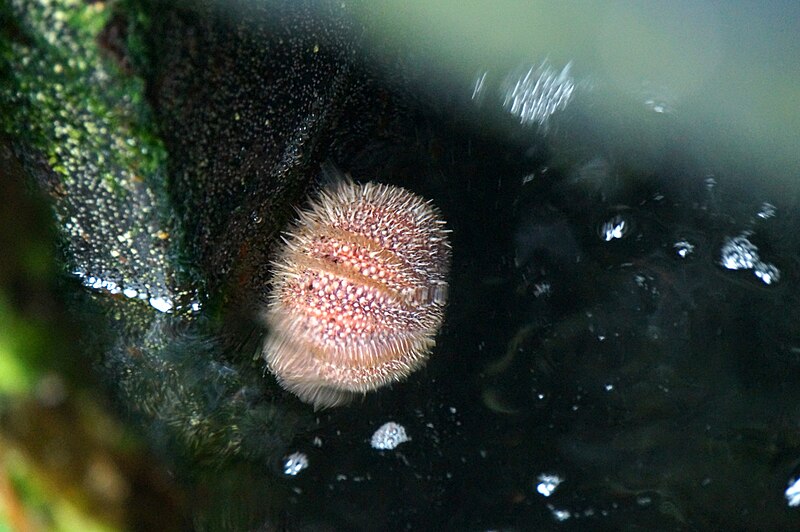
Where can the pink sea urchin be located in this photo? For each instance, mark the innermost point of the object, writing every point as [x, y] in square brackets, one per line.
[358, 292]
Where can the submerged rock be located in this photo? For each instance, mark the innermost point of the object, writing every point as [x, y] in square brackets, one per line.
[173, 141]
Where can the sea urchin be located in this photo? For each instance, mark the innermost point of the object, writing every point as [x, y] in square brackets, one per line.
[358, 292]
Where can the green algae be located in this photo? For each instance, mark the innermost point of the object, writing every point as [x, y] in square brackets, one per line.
[67, 99]
[79, 121]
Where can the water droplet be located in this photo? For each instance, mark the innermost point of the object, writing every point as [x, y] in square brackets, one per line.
[388, 436]
[161, 304]
[294, 463]
[616, 228]
[738, 253]
[792, 493]
[684, 248]
[130, 292]
[559, 514]
[766, 211]
[548, 483]
[768, 273]
[542, 289]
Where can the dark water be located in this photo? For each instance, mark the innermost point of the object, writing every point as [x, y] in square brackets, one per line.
[607, 335]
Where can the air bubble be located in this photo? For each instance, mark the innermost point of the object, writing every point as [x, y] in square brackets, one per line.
[294, 463]
[792, 493]
[738, 253]
[388, 436]
[766, 211]
[548, 483]
[684, 248]
[615, 228]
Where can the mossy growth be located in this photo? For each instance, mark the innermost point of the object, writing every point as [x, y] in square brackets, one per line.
[66, 97]
[79, 121]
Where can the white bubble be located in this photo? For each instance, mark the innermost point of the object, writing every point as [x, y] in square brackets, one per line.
[161, 304]
[388, 436]
[294, 463]
[766, 211]
[738, 253]
[768, 273]
[542, 289]
[615, 228]
[683, 248]
[130, 292]
[792, 493]
[548, 483]
[559, 514]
